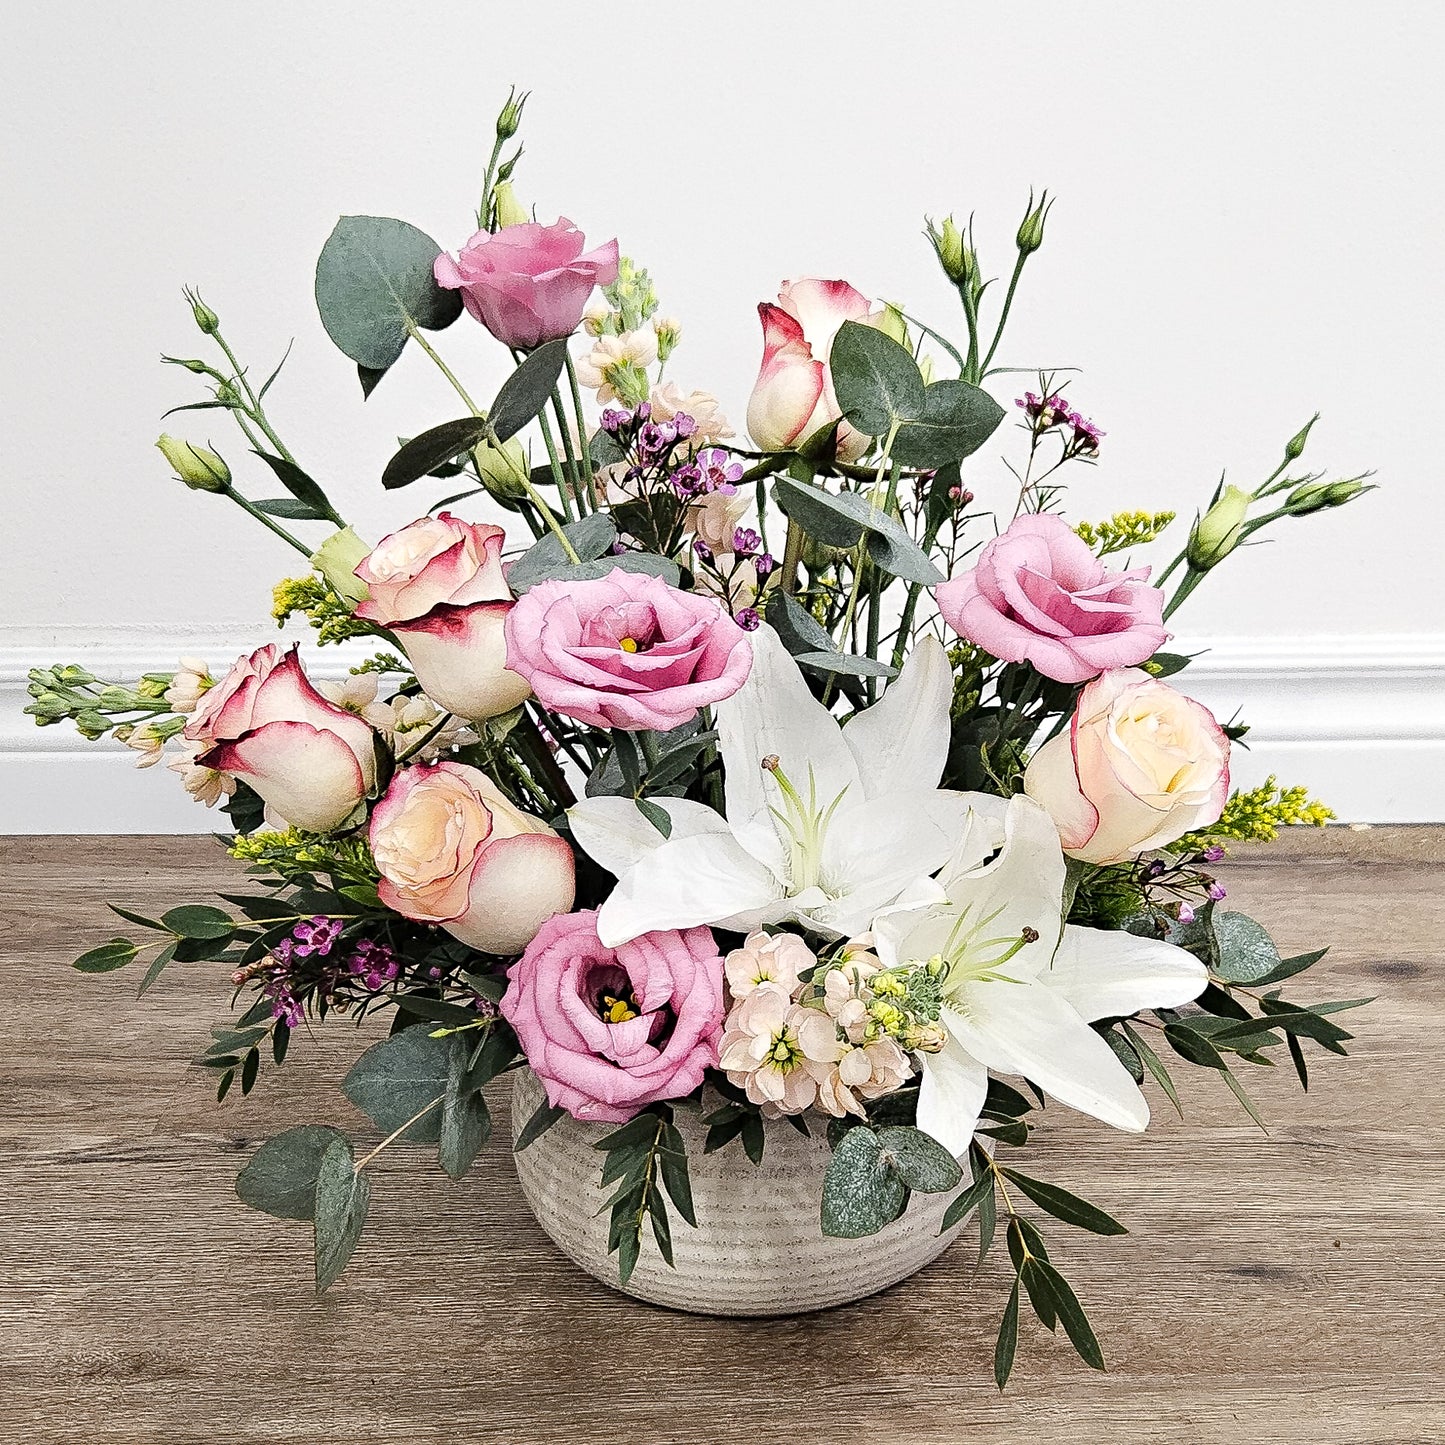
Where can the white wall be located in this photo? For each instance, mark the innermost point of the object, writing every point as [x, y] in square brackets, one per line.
[1247, 230]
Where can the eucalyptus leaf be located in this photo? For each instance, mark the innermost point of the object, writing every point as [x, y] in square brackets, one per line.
[342, 1197]
[1246, 951]
[397, 1078]
[799, 630]
[846, 662]
[373, 277]
[956, 420]
[107, 957]
[862, 1190]
[877, 381]
[280, 1177]
[590, 538]
[199, 920]
[290, 508]
[921, 1162]
[1064, 1205]
[466, 1124]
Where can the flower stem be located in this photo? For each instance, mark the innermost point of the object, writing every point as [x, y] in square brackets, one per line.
[586, 458]
[270, 522]
[397, 1133]
[1008, 302]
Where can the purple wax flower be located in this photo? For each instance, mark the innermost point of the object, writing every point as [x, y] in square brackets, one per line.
[748, 620]
[1186, 913]
[685, 424]
[1217, 891]
[746, 541]
[1213, 853]
[763, 564]
[614, 421]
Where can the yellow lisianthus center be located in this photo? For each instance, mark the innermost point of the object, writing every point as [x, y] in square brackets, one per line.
[628, 644]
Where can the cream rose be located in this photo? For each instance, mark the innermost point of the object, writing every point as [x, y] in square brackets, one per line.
[453, 850]
[1140, 766]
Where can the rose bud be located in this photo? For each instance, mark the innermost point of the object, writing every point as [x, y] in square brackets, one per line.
[438, 585]
[313, 763]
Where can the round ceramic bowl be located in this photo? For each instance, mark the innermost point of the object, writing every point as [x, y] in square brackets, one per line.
[758, 1248]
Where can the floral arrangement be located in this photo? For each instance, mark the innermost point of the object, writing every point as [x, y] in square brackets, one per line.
[770, 779]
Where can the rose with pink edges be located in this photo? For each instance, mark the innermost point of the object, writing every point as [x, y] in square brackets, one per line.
[611, 1030]
[1038, 594]
[626, 651]
[310, 761]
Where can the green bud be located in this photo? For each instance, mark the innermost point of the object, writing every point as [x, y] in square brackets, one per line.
[1217, 533]
[201, 469]
[669, 333]
[199, 367]
[206, 319]
[956, 258]
[337, 559]
[509, 208]
[1316, 496]
[1294, 447]
[92, 725]
[891, 323]
[227, 394]
[1031, 228]
[503, 469]
[510, 119]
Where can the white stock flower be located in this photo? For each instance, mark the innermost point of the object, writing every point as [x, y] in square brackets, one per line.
[611, 356]
[187, 685]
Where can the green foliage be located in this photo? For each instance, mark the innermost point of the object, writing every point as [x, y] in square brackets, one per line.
[297, 856]
[957, 419]
[280, 1178]
[645, 1157]
[877, 381]
[343, 1195]
[374, 284]
[863, 1189]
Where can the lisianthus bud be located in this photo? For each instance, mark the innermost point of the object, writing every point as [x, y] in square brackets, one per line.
[1217, 533]
[206, 319]
[510, 211]
[1316, 496]
[954, 256]
[1031, 228]
[891, 323]
[337, 559]
[669, 333]
[199, 468]
[503, 469]
[510, 119]
[1294, 447]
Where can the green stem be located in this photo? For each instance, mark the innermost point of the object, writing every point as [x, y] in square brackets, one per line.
[1008, 301]
[586, 458]
[1187, 584]
[970, 314]
[425, 738]
[574, 470]
[484, 211]
[540, 755]
[255, 411]
[270, 522]
[792, 557]
[533, 495]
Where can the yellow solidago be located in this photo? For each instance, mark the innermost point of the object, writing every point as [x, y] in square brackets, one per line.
[293, 852]
[1258, 815]
[324, 609]
[1123, 530]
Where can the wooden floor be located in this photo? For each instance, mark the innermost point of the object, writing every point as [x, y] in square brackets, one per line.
[1288, 1288]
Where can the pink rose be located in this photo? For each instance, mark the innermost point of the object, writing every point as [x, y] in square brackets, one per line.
[453, 850]
[528, 284]
[1140, 766]
[1039, 595]
[609, 1031]
[312, 762]
[438, 585]
[793, 395]
[626, 650]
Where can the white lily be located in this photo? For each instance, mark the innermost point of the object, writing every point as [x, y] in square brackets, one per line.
[825, 824]
[1019, 987]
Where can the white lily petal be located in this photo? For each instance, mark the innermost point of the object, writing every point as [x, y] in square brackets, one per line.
[951, 1092]
[1030, 1029]
[901, 742]
[774, 714]
[615, 832]
[688, 881]
[1105, 973]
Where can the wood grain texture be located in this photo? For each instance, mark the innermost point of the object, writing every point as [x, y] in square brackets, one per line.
[1286, 1288]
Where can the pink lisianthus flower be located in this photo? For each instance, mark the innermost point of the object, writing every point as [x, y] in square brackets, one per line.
[793, 396]
[626, 650]
[528, 283]
[609, 1031]
[1039, 595]
[438, 585]
[311, 762]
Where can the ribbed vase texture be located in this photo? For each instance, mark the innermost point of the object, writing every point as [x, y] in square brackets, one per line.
[758, 1248]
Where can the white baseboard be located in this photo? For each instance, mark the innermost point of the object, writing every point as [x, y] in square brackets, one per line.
[1359, 719]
